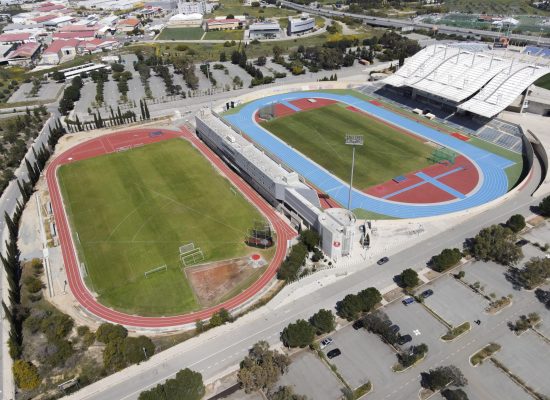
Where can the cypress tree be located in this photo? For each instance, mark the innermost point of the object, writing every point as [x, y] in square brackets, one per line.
[23, 191]
[12, 226]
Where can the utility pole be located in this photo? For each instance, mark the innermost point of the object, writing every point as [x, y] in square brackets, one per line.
[353, 141]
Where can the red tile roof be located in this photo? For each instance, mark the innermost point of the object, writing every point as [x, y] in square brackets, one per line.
[223, 21]
[25, 50]
[73, 35]
[57, 45]
[129, 22]
[50, 8]
[14, 37]
[79, 28]
[44, 18]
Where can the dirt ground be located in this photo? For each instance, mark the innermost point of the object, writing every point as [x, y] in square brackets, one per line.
[213, 281]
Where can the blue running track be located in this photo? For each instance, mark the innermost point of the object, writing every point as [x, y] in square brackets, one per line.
[494, 182]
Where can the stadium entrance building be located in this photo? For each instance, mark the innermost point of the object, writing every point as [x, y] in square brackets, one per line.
[282, 188]
[467, 79]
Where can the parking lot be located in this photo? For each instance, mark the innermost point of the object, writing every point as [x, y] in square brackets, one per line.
[364, 357]
[490, 276]
[311, 377]
[416, 321]
[527, 357]
[456, 303]
[488, 382]
[47, 91]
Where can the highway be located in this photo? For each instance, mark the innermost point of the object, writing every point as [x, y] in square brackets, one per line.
[400, 23]
[8, 201]
[221, 349]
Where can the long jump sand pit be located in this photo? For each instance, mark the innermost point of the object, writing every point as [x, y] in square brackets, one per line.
[215, 281]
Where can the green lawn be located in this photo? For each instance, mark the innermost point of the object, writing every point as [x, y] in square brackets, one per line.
[236, 34]
[544, 82]
[132, 211]
[235, 7]
[181, 34]
[319, 134]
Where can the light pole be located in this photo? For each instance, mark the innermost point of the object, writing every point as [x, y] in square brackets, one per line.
[353, 140]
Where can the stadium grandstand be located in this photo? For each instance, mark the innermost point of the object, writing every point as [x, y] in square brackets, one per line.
[469, 79]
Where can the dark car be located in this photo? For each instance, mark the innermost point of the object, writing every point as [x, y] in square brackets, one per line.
[407, 301]
[334, 353]
[522, 242]
[358, 324]
[427, 293]
[404, 339]
[394, 328]
[383, 260]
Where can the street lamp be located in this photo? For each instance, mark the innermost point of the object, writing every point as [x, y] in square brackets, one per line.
[353, 140]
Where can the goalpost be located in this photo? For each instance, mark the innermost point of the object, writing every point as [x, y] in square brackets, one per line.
[190, 255]
[157, 269]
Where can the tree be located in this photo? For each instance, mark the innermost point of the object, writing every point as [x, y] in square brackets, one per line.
[223, 56]
[368, 298]
[285, 393]
[310, 239]
[137, 349]
[349, 307]
[324, 321]
[495, 243]
[298, 334]
[516, 223]
[438, 378]
[108, 332]
[534, 273]
[262, 368]
[457, 394]
[187, 385]
[261, 60]
[446, 259]
[409, 278]
[377, 323]
[544, 206]
[25, 375]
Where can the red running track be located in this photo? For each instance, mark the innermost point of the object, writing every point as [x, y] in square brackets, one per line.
[136, 137]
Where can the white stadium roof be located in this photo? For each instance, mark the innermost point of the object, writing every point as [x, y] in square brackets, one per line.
[456, 74]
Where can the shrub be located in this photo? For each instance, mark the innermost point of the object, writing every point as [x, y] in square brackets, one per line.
[109, 332]
[446, 259]
[324, 321]
[516, 223]
[25, 375]
[299, 334]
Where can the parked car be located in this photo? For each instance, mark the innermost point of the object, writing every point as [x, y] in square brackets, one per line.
[404, 339]
[394, 328]
[358, 324]
[334, 353]
[383, 260]
[407, 301]
[325, 342]
[427, 293]
[522, 242]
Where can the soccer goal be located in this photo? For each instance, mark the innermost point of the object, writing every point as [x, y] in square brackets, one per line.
[190, 255]
[157, 269]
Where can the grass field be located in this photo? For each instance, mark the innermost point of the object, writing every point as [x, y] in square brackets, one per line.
[544, 82]
[181, 34]
[132, 210]
[236, 34]
[319, 134]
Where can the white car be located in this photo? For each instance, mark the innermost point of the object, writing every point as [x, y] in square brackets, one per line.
[325, 342]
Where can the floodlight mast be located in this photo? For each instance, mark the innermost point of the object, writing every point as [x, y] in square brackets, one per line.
[353, 140]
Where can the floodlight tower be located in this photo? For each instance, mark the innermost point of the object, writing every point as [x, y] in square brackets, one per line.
[353, 141]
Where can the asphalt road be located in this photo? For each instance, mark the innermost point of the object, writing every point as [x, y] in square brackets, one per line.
[399, 23]
[8, 202]
[221, 349]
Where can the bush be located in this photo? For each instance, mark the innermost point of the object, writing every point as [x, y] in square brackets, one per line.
[109, 332]
[409, 278]
[299, 334]
[544, 206]
[25, 375]
[187, 385]
[324, 321]
[56, 326]
[446, 259]
[516, 223]
[33, 284]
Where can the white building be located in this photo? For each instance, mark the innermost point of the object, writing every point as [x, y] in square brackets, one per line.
[264, 30]
[194, 7]
[280, 187]
[185, 20]
[303, 24]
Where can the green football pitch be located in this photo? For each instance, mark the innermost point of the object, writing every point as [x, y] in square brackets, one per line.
[320, 133]
[130, 211]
